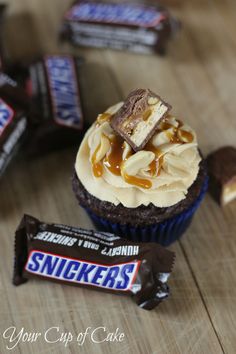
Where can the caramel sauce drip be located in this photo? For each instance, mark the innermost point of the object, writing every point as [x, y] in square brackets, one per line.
[139, 182]
[156, 165]
[96, 166]
[104, 117]
[174, 137]
[187, 136]
[114, 159]
[114, 162]
[165, 126]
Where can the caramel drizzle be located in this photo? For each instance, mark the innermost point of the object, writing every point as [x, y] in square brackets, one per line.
[114, 163]
[136, 181]
[96, 166]
[187, 136]
[156, 165]
[114, 159]
[104, 117]
[174, 137]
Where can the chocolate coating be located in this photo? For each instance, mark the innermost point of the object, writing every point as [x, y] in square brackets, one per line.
[126, 120]
[221, 166]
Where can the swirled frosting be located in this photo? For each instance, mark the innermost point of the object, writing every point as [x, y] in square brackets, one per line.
[160, 174]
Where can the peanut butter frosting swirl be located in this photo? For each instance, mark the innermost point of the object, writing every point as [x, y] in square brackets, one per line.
[160, 174]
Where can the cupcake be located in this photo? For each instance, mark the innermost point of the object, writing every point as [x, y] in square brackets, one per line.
[139, 172]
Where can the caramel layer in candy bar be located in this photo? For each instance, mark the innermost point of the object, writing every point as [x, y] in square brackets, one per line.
[92, 259]
[222, 172]
[138, 118]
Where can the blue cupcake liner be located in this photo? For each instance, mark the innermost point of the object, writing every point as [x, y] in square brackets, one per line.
[163, 233]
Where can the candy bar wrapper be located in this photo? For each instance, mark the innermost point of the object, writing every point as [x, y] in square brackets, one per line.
[56, 113]
[134, 27]
[11, 89]
[2, 53]
[13, 119]
[91, 259]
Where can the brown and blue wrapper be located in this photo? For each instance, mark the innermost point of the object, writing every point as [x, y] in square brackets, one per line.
[91, 259]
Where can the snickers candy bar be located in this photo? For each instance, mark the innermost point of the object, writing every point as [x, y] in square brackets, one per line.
[56, 114]
[138, 118]
[2, 13]
[91, 259]
[13, 127]
[10, 88]
[133, 27]
[222, 174]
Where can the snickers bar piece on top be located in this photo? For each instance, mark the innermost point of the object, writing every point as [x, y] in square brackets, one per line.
[13, 125]
[222, 174]
[96, 260]
[133, 27]
[56, 115]
[137, 120]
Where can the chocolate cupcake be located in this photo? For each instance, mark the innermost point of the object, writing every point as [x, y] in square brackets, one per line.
[139, 172]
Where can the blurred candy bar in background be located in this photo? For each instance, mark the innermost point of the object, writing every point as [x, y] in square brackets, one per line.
[2, 14]
[55, 107]
[222, 174]
[13, 121]
[48, 91]
[134, 27]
